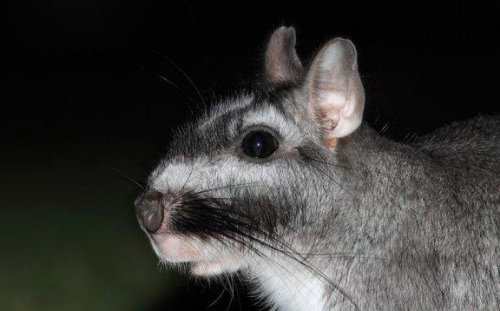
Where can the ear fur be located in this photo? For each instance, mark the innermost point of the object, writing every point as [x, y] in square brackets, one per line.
[334, 90]
[281, 61]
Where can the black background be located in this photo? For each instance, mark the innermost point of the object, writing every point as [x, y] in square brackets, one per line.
[80, 80]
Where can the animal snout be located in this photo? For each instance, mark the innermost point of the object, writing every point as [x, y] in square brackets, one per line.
[150, 210]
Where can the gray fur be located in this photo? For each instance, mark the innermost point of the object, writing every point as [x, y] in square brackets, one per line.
[379, 225]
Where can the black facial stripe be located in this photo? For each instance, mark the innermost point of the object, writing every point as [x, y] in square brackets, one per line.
[206, 216]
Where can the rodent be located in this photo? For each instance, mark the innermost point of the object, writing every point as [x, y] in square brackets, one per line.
[286, 185]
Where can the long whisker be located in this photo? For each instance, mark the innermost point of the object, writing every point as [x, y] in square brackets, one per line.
[232, 225]
[348, 167]
[127, 178]
[188, 177]
[230, 200]
[179, 89]
[184, 74]
[342, 186]
[217, 298]
[227, 186]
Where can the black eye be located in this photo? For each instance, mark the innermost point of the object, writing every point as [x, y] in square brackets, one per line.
[259, 144]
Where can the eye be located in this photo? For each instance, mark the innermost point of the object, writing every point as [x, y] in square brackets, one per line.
[259, 144]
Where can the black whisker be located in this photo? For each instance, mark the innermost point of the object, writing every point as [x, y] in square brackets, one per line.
[211, 217]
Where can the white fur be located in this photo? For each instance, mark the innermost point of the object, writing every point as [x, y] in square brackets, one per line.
[287, 285]
[176, 175]
[274, 119]
[225, 107]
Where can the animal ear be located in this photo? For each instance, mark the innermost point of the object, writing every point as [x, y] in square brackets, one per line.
[334, 90]
[281, 61]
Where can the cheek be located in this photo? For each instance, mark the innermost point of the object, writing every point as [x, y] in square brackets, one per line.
[204, 173]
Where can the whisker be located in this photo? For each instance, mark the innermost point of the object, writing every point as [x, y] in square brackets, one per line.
[184, 74]
[224, 187]
[179, 89]
[220, 222]
[341, 186]
[120, 174]
[218, 297]
[347, 167]
[187, 179]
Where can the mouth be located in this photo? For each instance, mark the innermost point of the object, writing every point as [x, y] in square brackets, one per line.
[173, 248]
[202, 259]
[190, 229]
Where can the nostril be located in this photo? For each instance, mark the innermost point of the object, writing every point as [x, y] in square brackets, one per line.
[150, 210]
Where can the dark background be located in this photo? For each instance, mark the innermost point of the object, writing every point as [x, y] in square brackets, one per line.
[83, 108]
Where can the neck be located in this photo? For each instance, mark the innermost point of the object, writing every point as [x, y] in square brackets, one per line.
[286, 285]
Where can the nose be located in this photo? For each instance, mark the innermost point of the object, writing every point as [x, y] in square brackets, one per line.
[150, 210]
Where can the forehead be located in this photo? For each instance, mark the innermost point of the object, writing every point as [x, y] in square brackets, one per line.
[220, 126]
[276, 109]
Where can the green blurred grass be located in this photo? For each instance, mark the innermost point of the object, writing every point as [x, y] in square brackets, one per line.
[69, 239]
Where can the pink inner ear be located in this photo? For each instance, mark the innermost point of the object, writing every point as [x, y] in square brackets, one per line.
[327, 108]
[336, 95]
[327, 122]
[326, 119]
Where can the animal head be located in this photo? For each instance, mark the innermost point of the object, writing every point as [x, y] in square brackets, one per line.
[249, 177]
